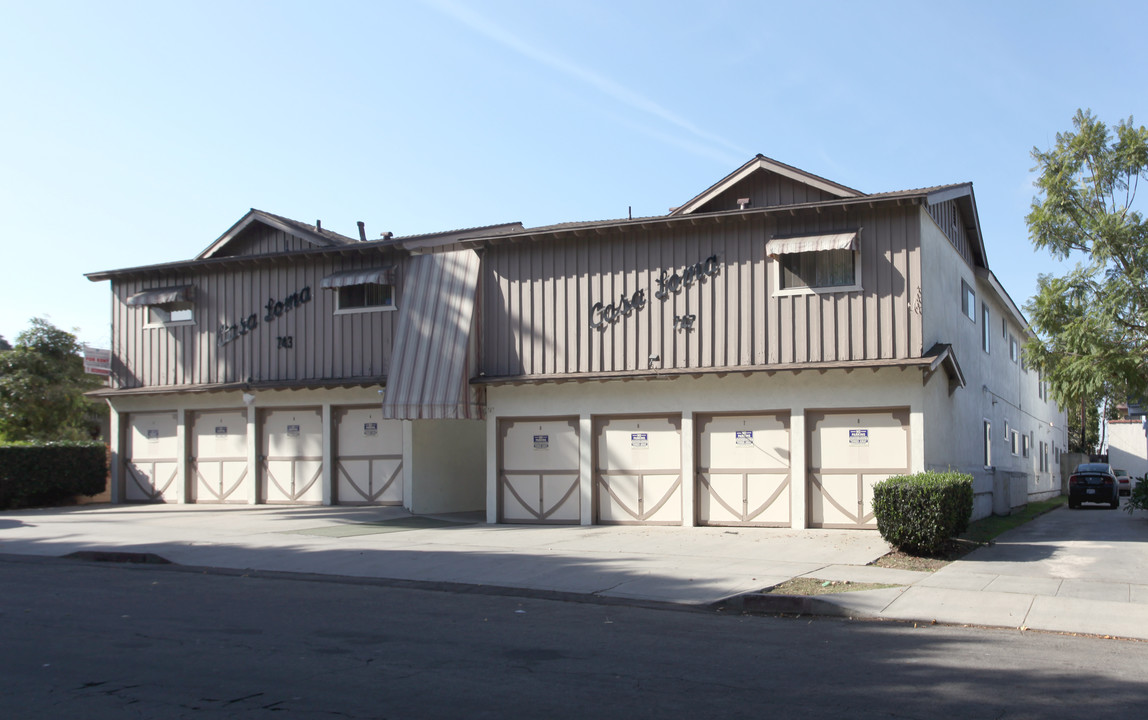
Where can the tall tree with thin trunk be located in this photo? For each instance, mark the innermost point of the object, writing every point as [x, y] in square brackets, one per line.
[1091, 322]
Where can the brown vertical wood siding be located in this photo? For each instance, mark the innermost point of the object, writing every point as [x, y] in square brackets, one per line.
[537, 297]
[325, 345]
[260, 239]
[765, 190]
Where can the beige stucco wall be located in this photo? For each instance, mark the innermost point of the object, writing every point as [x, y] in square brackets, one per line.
[448, 462]
[1128, 448]
[443, 460]
[997, 389]
[686, 396]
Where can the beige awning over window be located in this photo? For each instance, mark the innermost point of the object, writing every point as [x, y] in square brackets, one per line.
[362, 276]
[812, 243]
[429, 375]
[161, 296]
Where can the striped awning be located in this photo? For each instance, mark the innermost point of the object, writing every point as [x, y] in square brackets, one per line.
[429, 374]
[812, 243]
[362, 276]
[161, 296]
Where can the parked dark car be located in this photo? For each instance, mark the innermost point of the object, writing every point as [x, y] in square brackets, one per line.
[1093, 483]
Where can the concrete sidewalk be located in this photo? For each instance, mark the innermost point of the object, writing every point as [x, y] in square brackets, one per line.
[696, 566]
[1040, 576]
[1002, 585]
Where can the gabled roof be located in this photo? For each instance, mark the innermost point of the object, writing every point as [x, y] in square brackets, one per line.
[317, 236]
[761, 163]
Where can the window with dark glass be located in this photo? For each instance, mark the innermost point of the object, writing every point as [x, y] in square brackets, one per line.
[820, 269]
[367, 295]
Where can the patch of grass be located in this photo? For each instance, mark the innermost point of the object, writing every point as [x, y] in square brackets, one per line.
[981, 532]
[816, 586]
[986, 529]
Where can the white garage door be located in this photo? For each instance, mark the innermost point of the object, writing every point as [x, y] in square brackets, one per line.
[368, 457]
[219, 457]
[151, 466]
[743, 470]
[848, 452]
[292, 456]
[538, 470]
[637, 470]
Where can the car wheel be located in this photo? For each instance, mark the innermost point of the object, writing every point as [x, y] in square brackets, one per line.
[1072, 505]
[1115, 502]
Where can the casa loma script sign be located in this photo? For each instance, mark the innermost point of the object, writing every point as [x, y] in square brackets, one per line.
[602, 315]
[275, 309]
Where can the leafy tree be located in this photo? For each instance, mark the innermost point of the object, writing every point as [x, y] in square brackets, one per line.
[42, 385]
[1092, 322]
[4, 344]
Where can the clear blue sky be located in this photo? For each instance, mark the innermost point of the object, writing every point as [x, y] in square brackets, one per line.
[137, 132]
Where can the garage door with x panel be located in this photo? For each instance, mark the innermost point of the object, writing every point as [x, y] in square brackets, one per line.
[219, 457]
[152, 463]
[368, 457]
[291, 446]
[538, 471]
[637, 470]
[847, 452]
[743, 475]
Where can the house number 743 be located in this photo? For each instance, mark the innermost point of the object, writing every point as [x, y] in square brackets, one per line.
[285, 341]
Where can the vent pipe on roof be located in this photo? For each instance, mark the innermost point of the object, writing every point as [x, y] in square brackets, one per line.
[387, 235]
[318, 224]
[362, 231]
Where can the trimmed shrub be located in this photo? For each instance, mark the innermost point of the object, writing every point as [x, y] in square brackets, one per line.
[44, 474]
[918, 513]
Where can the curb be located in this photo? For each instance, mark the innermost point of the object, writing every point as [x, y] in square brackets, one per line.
[792, 605]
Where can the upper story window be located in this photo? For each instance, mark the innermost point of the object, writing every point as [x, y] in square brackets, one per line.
[1013, 349]
[363, 290]
[366, 296]
[968, 301]
[985, 334]
[171, 314]
[166, 306]
[816, 263]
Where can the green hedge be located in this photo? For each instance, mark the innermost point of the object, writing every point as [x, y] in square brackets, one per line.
[917, 513]
[43, 474]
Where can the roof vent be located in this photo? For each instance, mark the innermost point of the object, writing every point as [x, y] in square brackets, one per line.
[387, 235]
[318, 224]
[362, 231]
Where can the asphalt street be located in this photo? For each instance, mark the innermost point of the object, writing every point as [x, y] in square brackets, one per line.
[105, 640]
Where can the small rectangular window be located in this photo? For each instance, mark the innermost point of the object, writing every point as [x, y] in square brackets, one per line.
[968, 301]
[367, 296]
[173, 313]
[820, 269]
[1014, 442]
[985, 327]
[1025, 444]
[1013, 350]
